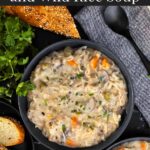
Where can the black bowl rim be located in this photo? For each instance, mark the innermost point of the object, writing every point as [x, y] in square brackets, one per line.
[108, 53]
[17, 112]
[128, 140]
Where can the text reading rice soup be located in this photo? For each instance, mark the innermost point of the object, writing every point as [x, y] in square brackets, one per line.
[79, 97]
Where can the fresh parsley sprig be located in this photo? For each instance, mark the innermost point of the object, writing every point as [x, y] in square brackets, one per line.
[24, 87]
[15, 37]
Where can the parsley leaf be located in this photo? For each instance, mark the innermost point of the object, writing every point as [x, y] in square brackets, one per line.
[63, 128]
[15, 37]
[80, 75]
[23, 61]
[24, 87]
[91, 94]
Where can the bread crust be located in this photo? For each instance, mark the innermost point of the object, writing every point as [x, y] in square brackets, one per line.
[3, 147]
[54, 18]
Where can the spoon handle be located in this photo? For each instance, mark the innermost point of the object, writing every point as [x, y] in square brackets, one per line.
[143, 58]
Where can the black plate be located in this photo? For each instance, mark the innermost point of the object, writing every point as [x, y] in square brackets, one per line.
[8, 110]
[23, 105]
[129, 140]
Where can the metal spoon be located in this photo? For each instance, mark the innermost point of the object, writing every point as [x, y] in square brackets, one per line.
[116, 18]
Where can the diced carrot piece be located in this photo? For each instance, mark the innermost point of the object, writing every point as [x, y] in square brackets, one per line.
[72, 63]
[143, 145]
[105, 63]
[74, 121]
[70, 142]
[94, 61]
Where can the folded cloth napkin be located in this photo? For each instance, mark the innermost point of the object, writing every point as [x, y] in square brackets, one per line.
[91, 20]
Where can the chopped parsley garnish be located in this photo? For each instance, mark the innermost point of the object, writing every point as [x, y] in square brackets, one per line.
[24, 87]
[100, 102]
[92, 126]
[80, 75]
[15, 38]
[63, 128]
[105, 113]
[45, 102]
[91, 94]
[101, 78]
[77, 94]
[81, 105]
[89, 117]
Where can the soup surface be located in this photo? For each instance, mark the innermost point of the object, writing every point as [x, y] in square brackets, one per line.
[79, 97]
[135, 145]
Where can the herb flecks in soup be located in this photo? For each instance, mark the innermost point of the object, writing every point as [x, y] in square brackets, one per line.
[79, 97]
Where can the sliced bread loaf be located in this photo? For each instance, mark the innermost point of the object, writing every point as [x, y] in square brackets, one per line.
[54, 18]
[11, 132]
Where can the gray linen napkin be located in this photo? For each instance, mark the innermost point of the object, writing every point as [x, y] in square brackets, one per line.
[91, 20]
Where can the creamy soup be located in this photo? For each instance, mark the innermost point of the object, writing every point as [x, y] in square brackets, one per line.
[135, 145]
[79, 97]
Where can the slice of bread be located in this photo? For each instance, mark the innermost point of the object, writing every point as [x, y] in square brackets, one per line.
[53, 18]
[11, 132]
[3, 147]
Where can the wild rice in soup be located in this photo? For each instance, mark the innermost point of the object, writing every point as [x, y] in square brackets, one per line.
[79, 97]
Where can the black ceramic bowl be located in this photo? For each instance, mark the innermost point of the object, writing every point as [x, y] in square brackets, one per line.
[9, 111]
[129, 140]
[23, 104]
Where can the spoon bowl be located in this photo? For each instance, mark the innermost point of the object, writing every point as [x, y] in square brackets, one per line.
[116, 19]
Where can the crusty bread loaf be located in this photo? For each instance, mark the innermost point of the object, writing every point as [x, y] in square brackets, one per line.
[54, 18]
[3, 147]
[11, 132]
